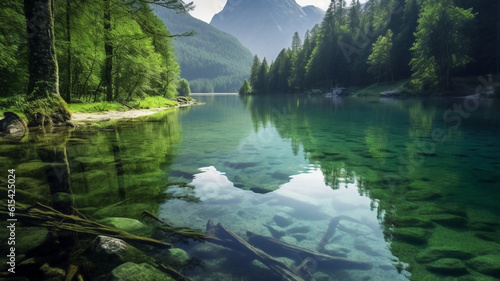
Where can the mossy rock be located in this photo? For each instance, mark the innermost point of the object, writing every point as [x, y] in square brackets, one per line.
[107, 252]
[177, 258]
[410, 221]
[34, 169]
[130, 210]
[412, 235]
[29, 182]
[481, 226]
[435, 253]
[28, 238]
[489, 265]
[126, 224]
[92, 176]
[432, 209]
[131, 271]
[488, 236]
[422, 195]
[282, 220]
[448, 220]
[89, 163]
[47, 111]
[448, 266]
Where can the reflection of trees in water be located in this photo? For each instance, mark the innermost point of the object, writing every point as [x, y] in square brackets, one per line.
[121, 170]
[338, 153]
[364, 149]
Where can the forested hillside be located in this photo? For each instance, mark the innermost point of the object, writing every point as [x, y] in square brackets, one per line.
[211, 60]
[106, 50]
[427, 41]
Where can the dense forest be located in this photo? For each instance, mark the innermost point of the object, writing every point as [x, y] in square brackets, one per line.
[211, 60]
[428, 42]
[106, 49]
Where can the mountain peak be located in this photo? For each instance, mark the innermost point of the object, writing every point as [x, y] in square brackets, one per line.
[266, 26]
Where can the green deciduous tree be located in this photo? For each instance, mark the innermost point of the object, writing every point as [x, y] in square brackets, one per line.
[441, 44]
[380, 59]
[183, 88]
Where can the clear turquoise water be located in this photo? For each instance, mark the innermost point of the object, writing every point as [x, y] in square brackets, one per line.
[405, 176]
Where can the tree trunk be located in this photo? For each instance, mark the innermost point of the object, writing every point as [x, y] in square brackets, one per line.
[108, 49]
[44, 78]
[45, 106]
[68, 37]
[498, 37]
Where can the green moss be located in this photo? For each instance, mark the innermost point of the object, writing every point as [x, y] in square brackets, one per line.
[412, 235]
[46, 111]
[448, 266]
[435, 253]
[153, 102]
[13, 104]
[489, 265]
[377, 88]
[96, 107]
[35, 169]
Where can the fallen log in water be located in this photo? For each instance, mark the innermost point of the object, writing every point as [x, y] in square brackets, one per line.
[45, 216]
[279, 248]
[220, 235]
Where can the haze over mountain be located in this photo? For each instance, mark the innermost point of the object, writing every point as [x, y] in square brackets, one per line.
[211, 60]
[266, 26]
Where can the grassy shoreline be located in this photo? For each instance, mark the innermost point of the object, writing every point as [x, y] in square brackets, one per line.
[14, 104]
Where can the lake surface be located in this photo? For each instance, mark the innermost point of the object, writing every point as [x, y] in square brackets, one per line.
[410, 186]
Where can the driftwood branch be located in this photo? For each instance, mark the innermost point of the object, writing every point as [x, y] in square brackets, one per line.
[220, 235]
[282, 249]
[45, 216]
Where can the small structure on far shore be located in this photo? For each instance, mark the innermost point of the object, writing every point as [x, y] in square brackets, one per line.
[390, 93]
[336, 92]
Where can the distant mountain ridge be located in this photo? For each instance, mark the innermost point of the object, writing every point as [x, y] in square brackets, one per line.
[266, 26]
[211, 60]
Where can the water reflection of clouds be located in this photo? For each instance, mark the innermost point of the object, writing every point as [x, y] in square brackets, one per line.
[305, 200]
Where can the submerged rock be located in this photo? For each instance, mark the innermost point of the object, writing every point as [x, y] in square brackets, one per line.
[282, 220]
[276, 233]
[488, 236]
[106, 252]
[28, 238]
[240, 165]
[177, 257]
[481, 227]
[298, 229]
[489, 265]
[131, 271]
[126, 224]
[412, 235]
[449, 220]
[435, 253]
[52, 273]
[448, 266]
[336, 250]
[410, 221]
[422, 195]
[280, 176]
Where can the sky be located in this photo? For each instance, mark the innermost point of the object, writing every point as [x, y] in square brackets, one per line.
[206, 9]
